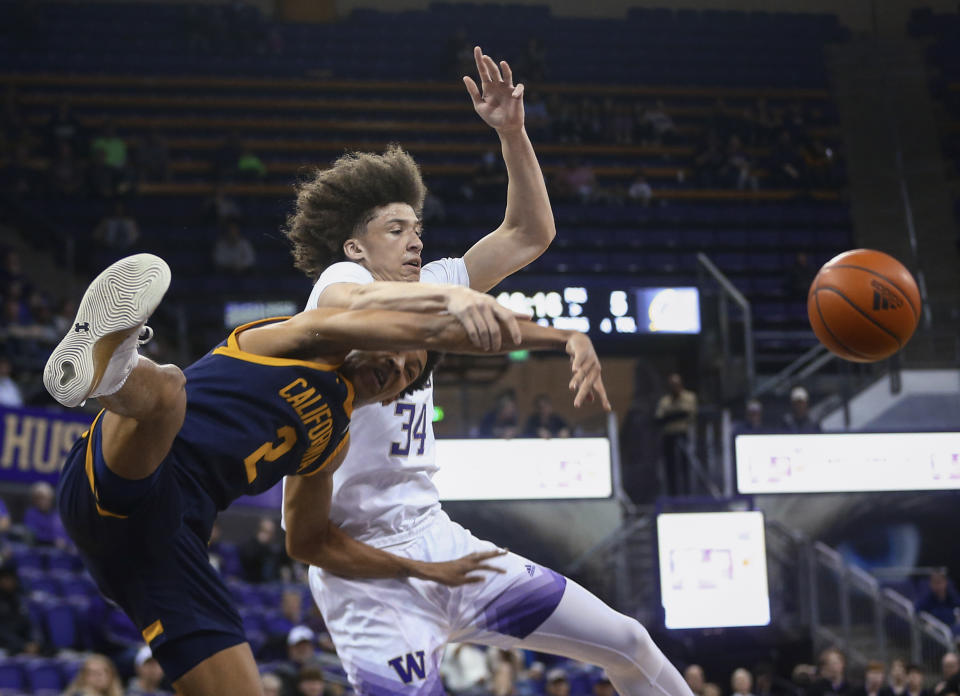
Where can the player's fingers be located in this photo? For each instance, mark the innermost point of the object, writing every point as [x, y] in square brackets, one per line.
[493, 326]
[508, 319]
[483, 328]
[601, 391]
[517, 91]
[485, 555]
[507, 72]
[470, 326]
[582, 390]
[492, 69]
[481, 65]
[472, 89]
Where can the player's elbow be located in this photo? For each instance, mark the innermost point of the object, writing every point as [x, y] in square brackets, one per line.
[306, 545]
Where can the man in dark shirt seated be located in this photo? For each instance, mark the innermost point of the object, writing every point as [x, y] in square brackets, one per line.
[941, 600]
[544, 422]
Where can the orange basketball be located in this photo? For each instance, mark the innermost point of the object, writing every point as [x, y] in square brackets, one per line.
[864, 305]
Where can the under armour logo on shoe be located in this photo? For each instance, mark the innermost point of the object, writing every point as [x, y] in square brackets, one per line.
[85, 326]
[530, 569]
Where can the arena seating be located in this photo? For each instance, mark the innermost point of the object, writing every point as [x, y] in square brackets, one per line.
[367, 80]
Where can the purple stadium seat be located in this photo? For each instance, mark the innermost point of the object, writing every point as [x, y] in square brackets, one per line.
[57, 559]
[44, 674]
[11, 675]
[27, 558]
[121, 628]
[61, 624]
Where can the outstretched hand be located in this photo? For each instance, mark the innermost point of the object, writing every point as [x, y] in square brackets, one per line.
[499, 103]
[586, 382]
[457, 572]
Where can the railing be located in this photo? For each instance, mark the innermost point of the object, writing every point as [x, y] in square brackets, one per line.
[728, 293]
[813, 591]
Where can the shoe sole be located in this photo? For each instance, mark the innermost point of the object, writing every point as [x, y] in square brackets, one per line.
[116, 304]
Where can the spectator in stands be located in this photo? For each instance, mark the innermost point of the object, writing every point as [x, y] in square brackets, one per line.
[4, 523]
[291, 605]
[676, 414]
[786, 163]
[117, 230]
[949, 671]
[233, 253]
[639, 190]
[897, 681]
[262, 556]
[10, 394]
[271, 684]
[661, 126]
[97, 677]
[799, 277]
[221, 208]
[557, 682]
[489, 180]
[223, 555]
[149, 675]
[695, 679]
[153, 157]
[433, 208]
[64, 315]
[506, 667]
[114, 149]
[310, 682]
[873, 681]
[798, 420]
[544, 422]
[250, 166]
[301, 652]
[941, 600]
[741, 682]
[603, 686]
[831, 675]
[64, 127]
[66, 171]
[536, 114]
[915, 680]
[17, 633]
[577, 181]
[41, 517]
[738, 171]
[532, 64]
[708, 162]
[460, 54]
[501, 421]
[711, 689]
[464, 667]
[803, 676]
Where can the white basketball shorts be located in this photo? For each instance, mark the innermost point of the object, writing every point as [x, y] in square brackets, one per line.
[390, 634]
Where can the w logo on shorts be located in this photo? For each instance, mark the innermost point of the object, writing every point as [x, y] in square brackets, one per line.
[414, 665]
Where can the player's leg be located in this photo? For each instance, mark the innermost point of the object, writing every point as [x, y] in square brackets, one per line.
[584, 628]
[230, 672]
[389, 634]
[533, 607]
[98, 357]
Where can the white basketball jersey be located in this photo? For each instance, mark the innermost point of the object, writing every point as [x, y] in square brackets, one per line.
[383, 492]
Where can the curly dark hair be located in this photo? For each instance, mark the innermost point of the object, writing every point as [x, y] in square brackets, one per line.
[337, 203]
[434, 358]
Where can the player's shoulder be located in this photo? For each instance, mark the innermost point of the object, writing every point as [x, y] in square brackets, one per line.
[449, 271]
[344, 272]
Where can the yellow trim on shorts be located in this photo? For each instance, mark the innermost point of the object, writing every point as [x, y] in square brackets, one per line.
[233, 350]
[88, 465]
[343, 443]
[152, 631]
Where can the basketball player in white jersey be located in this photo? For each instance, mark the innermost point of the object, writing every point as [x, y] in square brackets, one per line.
[362, 215]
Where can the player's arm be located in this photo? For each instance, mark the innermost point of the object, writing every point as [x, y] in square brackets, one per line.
[313, 539]
[483, 318]
[324, 331]
[528, 226]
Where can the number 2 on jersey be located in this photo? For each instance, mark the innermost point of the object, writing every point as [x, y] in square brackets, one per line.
[415, 426]
[270, 451]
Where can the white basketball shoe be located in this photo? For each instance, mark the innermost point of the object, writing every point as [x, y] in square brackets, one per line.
[100, 351]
